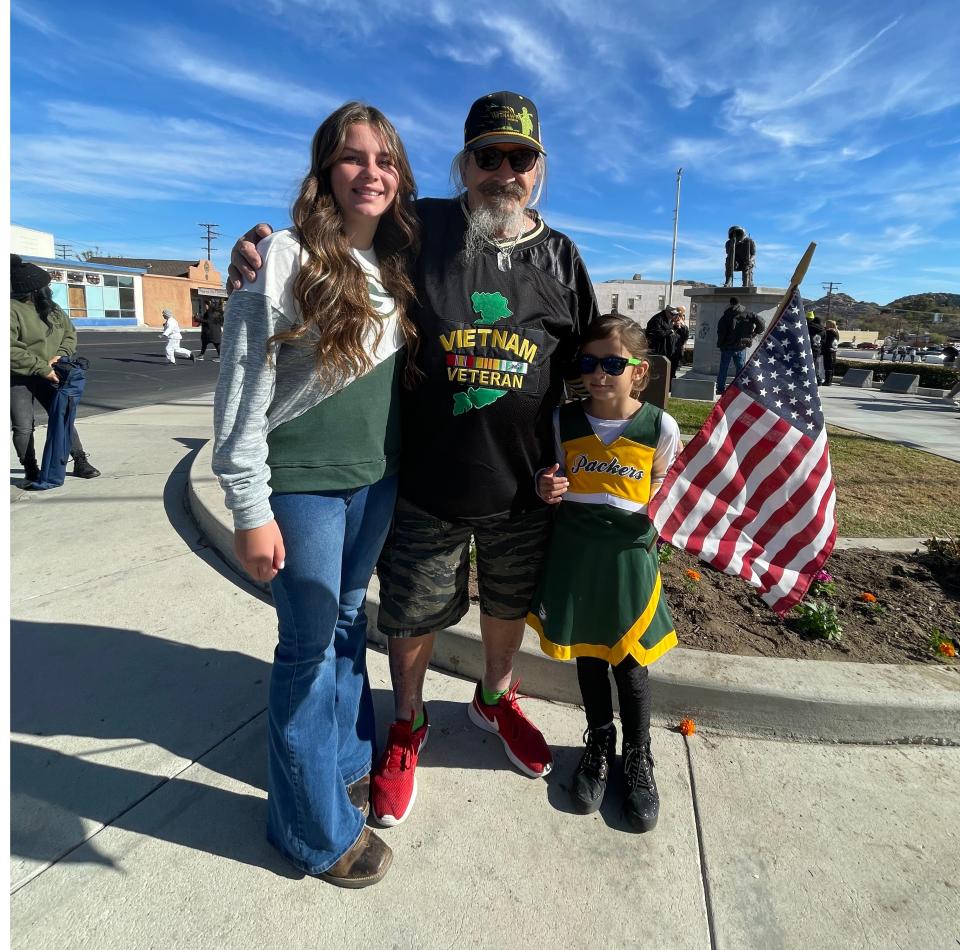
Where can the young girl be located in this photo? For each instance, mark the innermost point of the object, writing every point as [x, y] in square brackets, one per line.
[306, 450]
[600, 600]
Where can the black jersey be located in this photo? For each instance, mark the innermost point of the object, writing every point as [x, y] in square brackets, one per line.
[494, 345]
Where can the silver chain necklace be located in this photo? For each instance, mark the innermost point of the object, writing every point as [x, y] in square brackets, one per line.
[504, 254]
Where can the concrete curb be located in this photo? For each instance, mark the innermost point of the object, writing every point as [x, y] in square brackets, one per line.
[756, 696]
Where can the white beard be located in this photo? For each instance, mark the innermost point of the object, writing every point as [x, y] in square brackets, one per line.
[486, 224]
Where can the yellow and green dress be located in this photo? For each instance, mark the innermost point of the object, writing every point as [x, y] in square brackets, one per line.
[601, 593]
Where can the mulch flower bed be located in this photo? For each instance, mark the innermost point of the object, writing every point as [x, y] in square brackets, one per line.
[877, 607]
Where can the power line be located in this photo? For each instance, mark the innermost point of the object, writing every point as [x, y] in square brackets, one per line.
[211, 235]
[64, 250]
[828, 287]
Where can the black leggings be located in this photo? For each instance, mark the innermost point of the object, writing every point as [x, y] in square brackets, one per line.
[633, 688]
[23, 391]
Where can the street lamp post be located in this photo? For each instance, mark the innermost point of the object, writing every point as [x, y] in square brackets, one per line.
[673, 256]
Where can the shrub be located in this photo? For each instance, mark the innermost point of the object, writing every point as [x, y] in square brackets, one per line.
[818, 619]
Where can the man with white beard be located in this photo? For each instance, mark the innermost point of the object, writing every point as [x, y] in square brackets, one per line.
[503, 300]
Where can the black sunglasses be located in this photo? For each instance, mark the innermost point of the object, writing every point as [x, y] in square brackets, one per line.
[489, 159]
[612, 365]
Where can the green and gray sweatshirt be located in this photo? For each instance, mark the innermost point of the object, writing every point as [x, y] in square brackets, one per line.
[277, 427]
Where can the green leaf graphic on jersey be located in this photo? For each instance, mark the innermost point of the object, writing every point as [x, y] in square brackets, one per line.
[380, 300]
[475, 399]
[491, 307]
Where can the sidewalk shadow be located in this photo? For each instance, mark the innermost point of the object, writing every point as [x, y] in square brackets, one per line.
[46, 816]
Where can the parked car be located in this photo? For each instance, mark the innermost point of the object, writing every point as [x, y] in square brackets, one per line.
[933, 358]
[867, 346]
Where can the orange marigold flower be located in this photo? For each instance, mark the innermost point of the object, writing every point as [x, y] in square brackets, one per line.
[692, 574]
[947, 649]
[687, 727]
[869, 598]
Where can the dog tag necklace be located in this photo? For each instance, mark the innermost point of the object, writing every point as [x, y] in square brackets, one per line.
[503, 253]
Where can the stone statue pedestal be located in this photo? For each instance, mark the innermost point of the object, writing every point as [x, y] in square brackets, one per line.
[706, 306]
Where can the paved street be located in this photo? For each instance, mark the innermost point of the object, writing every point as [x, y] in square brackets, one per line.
[129, 369]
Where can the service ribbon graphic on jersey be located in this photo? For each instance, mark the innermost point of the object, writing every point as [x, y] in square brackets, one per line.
[489, 358]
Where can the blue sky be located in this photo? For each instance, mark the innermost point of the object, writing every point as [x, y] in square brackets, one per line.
[837, 123]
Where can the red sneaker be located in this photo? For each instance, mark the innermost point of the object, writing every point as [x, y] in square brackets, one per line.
[522, 740]
[393, 785]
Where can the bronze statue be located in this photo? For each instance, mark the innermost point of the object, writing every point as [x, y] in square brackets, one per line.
[741, 254]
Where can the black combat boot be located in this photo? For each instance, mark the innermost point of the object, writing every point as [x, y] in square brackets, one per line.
[642, 805]
[82, 467]
[31, 471]
[590, 777]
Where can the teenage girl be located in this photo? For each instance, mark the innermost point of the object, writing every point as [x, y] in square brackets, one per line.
[306, 449]
[601, 600]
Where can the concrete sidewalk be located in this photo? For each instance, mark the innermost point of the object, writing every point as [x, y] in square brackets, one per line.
[919, 422]
[139, 680]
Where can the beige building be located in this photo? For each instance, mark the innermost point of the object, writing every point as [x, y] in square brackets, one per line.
[179, 286]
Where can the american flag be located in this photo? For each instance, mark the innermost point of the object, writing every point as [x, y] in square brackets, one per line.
[752, 494]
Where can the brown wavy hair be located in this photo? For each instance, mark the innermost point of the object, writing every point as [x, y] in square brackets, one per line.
[331, 289]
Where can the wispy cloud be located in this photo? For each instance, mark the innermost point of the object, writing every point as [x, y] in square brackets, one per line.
[242, 80]
[466, 53]
[846, 61]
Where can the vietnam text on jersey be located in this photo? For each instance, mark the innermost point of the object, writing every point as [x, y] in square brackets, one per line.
[494, 345]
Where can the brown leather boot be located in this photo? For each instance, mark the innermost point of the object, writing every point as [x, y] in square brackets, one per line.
[359, 793]
[364, 864]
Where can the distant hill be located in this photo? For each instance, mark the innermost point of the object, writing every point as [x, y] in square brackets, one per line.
[906, 314]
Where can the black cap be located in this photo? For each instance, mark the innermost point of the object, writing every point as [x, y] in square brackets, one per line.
[25, 278]
[502, 117]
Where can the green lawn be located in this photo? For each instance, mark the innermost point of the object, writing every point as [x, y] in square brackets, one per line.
[884, 490]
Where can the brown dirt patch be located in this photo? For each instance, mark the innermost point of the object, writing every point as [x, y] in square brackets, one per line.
[915, 594]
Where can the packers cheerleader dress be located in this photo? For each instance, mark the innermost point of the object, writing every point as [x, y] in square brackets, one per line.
[601, 593]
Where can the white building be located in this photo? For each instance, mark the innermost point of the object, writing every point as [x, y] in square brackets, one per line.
[29, 242]
[638, 299]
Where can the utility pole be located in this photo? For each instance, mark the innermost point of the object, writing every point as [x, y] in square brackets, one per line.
[211, 235]
[63, 250]
[828, 287]
[676, 223]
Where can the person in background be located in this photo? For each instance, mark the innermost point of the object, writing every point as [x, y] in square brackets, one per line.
[211, 321]
[831, 341]
[40, 334]
[736, 330]
[815, 330]
[681, 333]
[171, 333]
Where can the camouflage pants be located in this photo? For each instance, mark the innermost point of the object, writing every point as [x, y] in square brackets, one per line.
[425, 567]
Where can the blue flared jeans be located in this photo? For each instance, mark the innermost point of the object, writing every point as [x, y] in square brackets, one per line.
[320, 710]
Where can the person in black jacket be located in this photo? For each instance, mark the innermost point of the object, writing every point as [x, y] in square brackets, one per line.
[681, 333]
[816, 331]
[659, 332]
[211, 323]
[667, 334]
[831, 340]
[735, 332]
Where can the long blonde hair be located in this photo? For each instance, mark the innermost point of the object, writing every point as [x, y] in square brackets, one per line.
[331, 288]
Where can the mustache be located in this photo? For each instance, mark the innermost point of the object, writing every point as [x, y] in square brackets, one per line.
[496, 189]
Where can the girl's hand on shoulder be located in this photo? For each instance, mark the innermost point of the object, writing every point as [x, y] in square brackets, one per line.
[260, 550]
[550, 486]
